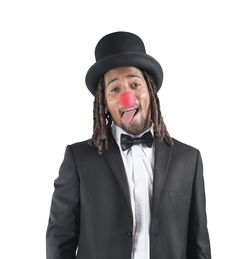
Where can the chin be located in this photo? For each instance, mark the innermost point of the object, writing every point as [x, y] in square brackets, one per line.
[135, 128]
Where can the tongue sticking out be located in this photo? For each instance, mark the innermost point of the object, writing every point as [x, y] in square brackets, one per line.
[128, 116]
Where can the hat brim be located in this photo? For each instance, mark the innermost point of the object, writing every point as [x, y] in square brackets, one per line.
[139, 60]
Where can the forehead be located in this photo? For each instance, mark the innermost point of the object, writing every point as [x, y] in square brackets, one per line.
[121, 72]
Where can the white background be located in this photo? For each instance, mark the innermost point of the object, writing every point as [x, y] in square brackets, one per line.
[46, 48]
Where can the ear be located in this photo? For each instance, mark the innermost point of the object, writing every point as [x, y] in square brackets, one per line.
[106, 109]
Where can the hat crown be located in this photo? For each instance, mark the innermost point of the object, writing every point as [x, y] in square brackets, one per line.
[118, 43]
[121, 49]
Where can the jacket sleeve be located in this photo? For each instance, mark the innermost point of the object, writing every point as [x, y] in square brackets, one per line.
[62, 232]
[198, 246]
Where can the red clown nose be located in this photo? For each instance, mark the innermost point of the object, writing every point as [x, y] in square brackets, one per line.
[127, 100]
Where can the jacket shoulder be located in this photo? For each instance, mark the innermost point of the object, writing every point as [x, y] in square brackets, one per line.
[83, 148]
[185, 149]
[181, 144]
[80, 144]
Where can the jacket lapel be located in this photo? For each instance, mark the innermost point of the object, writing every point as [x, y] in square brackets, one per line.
[163, 154]
[113, 157]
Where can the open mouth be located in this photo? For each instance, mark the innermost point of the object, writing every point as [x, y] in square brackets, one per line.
[135, 109]
[129, 114]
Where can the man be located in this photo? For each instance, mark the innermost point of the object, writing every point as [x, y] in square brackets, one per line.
[131, 191]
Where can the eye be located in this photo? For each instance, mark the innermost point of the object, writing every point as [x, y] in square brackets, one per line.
[135, 85]
[115, 89]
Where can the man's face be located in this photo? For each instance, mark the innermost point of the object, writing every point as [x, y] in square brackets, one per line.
[128, 79]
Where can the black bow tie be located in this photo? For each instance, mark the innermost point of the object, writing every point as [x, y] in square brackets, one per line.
[128, 141]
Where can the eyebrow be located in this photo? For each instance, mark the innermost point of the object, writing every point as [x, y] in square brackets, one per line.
[112, 81]
[128, 76]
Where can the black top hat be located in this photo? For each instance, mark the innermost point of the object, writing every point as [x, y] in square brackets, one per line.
[120, 49]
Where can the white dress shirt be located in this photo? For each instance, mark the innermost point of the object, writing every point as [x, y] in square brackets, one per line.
[139, 163]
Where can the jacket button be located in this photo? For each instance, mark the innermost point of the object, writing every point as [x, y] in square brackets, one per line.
[129, 234]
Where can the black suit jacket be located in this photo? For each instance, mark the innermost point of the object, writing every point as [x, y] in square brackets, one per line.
[91, 216]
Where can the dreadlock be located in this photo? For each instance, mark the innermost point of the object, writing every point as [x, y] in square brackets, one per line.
[102, 120]
[160, 128]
